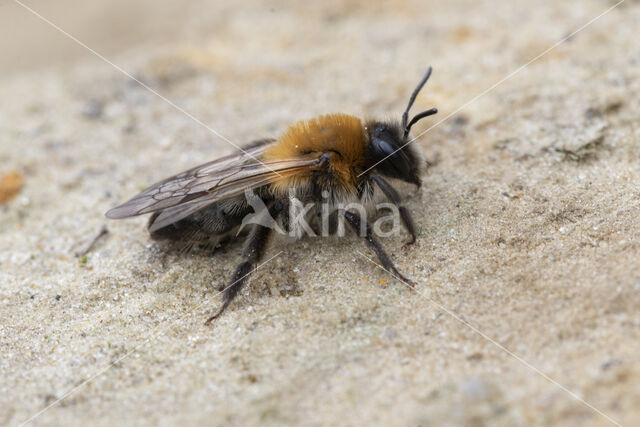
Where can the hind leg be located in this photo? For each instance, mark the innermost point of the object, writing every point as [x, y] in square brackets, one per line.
[254, 249]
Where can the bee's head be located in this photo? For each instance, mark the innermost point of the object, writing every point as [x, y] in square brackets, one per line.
[392, 158]
[393, 154]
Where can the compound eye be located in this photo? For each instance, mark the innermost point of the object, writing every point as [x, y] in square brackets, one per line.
[381, 146]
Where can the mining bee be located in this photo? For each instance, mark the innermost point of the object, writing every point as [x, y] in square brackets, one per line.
[331, 159]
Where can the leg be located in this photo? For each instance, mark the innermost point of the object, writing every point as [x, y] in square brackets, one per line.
[394, 197]
[253, 251]
[374, 244]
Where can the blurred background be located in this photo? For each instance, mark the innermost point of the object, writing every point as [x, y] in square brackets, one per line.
[28, 43]
[528, 218]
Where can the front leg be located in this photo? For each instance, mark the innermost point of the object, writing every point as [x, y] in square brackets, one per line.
[374, 244]
[394, 197]
[254, 248]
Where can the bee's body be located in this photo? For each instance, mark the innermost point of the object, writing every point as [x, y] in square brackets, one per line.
[333, 159]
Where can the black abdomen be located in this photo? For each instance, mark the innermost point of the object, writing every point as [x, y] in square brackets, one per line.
[204, 225]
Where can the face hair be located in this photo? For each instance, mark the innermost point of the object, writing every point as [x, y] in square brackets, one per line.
[417, 117]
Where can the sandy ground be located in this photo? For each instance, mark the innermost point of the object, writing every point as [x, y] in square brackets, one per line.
[528, 224]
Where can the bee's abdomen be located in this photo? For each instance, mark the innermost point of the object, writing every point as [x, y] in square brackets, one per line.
[214, 220]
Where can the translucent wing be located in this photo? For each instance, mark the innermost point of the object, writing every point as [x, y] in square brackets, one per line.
[183, 194]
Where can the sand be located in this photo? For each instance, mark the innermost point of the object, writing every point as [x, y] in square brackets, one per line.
[527, 259]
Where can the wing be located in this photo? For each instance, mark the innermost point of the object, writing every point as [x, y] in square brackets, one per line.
[146, 201]
[183, 194]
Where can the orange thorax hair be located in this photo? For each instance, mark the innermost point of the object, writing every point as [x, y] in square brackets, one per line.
[339, 133]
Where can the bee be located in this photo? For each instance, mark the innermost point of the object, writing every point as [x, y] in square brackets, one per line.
[333, 158]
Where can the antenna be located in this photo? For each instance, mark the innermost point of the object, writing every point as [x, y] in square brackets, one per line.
[416, 91]
[418, 117]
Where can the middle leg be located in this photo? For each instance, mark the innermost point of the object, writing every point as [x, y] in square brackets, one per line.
[355, 221]
[394, 197]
